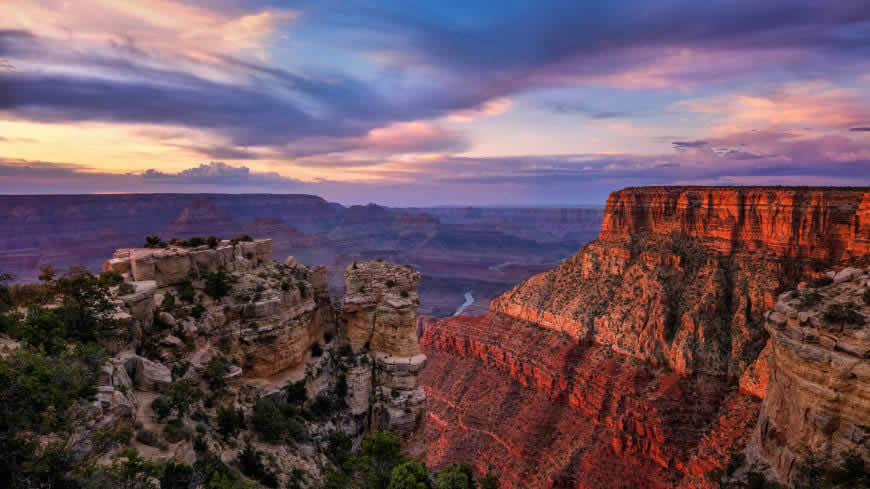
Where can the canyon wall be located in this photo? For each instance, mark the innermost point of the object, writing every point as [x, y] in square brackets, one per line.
[818, 399]
[649, 343]
[682, 276]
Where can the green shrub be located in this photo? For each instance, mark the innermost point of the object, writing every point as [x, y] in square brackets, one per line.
[126, 288]
[252, 466]
[341, 387]
[147, 437]
[37, 390]
[110, 278]
[176, 476]
[404, 294]
[296, 392]
[197, 311]
[409, 475]
[175, 431]
[820, 282]
[230, 421]
[390, 283]
[154, 242]
[338, 447]
[838, 313]
[168, 303]
[809, 299]
[161, 407]
[212, 242]
[345, 351]
[866, 296]
[186, 292]
[316, 350]
[217, 284]
[244, 237]
[216, 373]
[277, 421]
[455, 476]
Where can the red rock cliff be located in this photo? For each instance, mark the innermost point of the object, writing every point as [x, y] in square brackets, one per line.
[620, 368]
[682, 275]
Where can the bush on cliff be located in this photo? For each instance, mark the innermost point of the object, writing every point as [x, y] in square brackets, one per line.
[217, 284]
[838, 313]
[278, 421]
[154, 242]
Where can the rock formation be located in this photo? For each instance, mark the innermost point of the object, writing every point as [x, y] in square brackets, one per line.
[649, 342]
[231, 318]
[379, 322]
[682, 276]
[818, 398]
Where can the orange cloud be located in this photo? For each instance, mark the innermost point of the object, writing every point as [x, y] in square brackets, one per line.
[167, 26]
[796, 106]
[495, 106]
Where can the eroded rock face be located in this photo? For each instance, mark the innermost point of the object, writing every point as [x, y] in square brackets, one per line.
[174, 265]
[819, 392]
[546, 411]
[380, 308]
[379, 321]
[665, 312]
[682, 276]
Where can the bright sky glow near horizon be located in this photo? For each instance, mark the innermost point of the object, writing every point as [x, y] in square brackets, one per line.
[431, 103]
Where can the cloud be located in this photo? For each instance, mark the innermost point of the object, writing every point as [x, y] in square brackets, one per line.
[217, 173]
[27, 176]
[220, 152]
[689, 144]
[860, 129]
[579, 108]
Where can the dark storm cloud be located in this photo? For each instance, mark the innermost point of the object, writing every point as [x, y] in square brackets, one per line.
[860, 129]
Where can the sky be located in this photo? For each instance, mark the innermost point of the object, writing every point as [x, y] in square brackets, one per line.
[432, 103]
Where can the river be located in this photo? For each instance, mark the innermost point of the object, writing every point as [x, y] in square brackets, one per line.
[469, 300]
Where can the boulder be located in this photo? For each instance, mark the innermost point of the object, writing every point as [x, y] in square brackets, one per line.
[147, 375]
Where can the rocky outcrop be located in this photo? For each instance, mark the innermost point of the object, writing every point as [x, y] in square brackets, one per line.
[379, 321]
[379, 311]
[683, 275]
[175, 264]
[818, 399]
[650, 342]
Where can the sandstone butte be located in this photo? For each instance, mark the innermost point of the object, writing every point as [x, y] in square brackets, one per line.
[653, 354]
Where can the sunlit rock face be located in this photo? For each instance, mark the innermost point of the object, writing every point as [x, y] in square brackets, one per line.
[683, 276]
[818, 397]
[646, 352]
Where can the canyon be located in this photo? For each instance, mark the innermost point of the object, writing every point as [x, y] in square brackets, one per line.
[485, 250]
[653, 355]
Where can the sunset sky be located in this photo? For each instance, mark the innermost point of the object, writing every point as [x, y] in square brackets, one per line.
[442, 102]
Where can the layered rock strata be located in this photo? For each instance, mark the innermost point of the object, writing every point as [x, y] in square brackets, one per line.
[668, 307]
[682, 276]
[545, 411]
[379, 325]
[818, 399]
